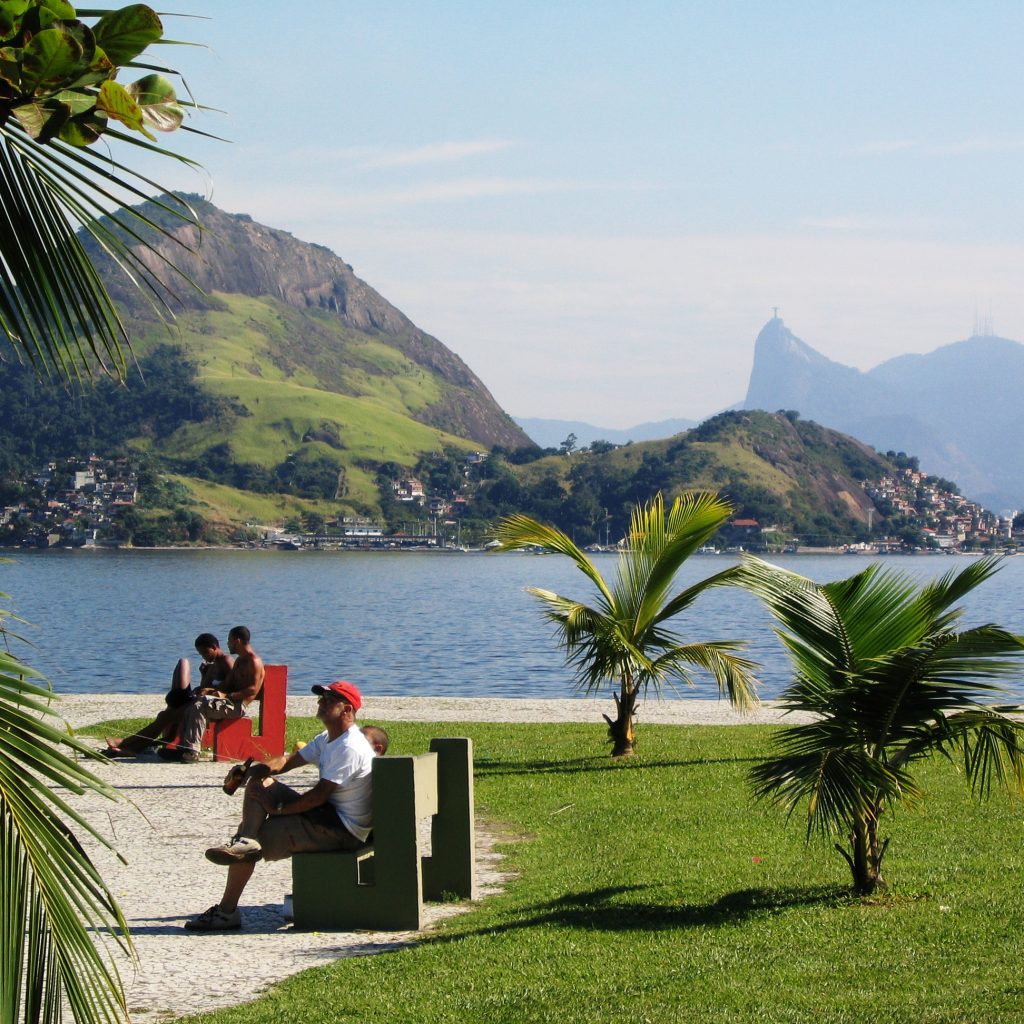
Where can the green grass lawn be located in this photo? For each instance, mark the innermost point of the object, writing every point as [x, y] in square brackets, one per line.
[656, 891]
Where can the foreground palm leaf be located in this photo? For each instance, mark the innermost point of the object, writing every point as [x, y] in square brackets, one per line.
[623, 638]
[58, 96]
[889, 680]
[52, 898]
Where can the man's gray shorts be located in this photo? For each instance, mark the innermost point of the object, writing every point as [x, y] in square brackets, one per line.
[312, 831]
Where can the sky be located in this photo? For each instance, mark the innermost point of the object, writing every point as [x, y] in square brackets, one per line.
[597, 205]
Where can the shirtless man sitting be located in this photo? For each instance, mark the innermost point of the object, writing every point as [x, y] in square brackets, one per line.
[221, 702]
[214, 669]
[216, 700]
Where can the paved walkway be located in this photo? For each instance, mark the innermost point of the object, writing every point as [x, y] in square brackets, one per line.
[176, 811]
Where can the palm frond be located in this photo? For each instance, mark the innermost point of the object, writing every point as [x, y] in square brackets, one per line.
[733, 674]
[877, 660]
[53, 897]
[838, 783]
[517, 532]
[621, 639]
[662, 544]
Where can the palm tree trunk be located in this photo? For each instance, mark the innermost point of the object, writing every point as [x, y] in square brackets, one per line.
[866, 861]
[620, 729]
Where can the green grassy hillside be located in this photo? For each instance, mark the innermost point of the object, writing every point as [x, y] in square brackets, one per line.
[301, 383]
[773, 467]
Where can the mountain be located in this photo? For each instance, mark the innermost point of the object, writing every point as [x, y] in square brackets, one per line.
[285, 373]
[958, 408]
[319, 326]
[551, 433]
[780, 469]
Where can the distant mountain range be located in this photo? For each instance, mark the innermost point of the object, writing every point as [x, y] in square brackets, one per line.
[959, 408]
[551, 433]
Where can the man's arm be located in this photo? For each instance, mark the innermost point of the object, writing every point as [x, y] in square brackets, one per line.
[210, 672]
[277, 765]
[245, 680]
[314, 797]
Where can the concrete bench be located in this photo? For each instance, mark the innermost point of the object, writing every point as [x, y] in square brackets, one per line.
[234, 740]
[383, 885]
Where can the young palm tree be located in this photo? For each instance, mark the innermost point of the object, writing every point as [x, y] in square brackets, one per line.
[890, 681]
[623, 638]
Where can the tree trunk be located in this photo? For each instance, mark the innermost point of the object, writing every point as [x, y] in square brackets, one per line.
[866, 862]
[620, 729]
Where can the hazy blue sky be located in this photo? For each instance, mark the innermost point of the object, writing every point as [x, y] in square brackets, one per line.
[596, 204]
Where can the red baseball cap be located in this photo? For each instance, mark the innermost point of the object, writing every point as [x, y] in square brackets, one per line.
[348, 692]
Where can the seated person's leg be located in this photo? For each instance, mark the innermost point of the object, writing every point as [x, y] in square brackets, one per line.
[181, 684]
[194, 718]
[261, 793]
[167, 721]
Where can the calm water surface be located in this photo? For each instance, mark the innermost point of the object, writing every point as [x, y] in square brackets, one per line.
[399, 624]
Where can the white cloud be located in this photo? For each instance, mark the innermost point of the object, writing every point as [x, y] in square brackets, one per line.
[617, 331]
[836, 223]
[325, 200]
[961, 147]
[438, 152]
[967, 147]
[883, 146]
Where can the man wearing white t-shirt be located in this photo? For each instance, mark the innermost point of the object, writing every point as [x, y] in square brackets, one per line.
[278, 821]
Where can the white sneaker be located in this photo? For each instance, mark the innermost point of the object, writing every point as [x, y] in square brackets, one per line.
[242, 851]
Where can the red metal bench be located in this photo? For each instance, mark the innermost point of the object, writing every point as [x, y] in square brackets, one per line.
[234, 739]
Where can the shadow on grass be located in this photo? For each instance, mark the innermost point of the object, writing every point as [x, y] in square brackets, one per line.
[602, 910]
[572, 766]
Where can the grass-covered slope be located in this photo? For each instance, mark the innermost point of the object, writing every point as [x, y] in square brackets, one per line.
[288, 361]
[773, 467]
[322, 389]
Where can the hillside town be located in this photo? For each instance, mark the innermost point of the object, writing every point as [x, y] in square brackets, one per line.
[94, 502]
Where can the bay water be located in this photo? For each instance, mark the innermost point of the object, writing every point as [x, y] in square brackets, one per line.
[397, 623]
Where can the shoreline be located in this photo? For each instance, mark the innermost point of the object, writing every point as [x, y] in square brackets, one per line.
[80, 709]
[435, 550]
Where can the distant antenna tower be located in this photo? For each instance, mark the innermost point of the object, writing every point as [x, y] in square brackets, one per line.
[984, 326]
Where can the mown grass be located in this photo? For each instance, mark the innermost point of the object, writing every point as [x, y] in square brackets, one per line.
[655, 890]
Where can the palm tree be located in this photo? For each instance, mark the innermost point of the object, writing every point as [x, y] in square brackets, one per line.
[889, 681]
[623, 638]
[59, 95]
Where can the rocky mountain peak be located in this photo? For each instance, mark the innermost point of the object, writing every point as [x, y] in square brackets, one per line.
[234, 255]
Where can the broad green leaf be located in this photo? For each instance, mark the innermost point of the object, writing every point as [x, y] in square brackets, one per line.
[116, 101]
[98, 70]
[10, 67]
[83, 35]
[50, 58]
[84, 129]
[42, 120]
[156, 97]
[10, 16]
[77, 102]
[124, 34]
[60, 9]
